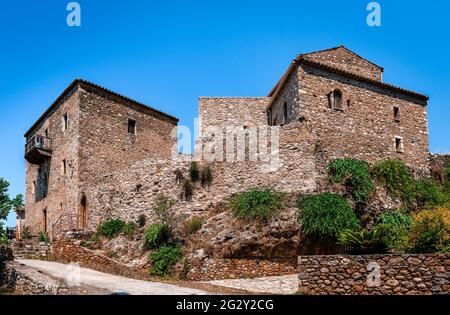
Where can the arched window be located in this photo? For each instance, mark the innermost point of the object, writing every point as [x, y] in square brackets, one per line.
[82, 217]
[285, 112]
[337, 99]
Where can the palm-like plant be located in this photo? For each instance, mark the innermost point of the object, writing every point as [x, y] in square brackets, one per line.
[364, 241]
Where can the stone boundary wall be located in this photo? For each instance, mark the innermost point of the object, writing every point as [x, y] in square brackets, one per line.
[219, 269]
[67, 251]
[23, 280]
[6, 253]
[398, 274]
[32, 250]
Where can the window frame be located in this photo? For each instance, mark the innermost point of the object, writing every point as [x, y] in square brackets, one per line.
[132, 123]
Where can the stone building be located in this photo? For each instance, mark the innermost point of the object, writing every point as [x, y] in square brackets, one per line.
[95, 154]
[85, 134]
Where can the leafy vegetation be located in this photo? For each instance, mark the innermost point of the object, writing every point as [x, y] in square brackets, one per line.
[164, 259]
[26, 233]
[395, 226]
[43, 237]
[188, 190]
[3, 240]
[194, 172]
[130, 229]
[429, 193]
[355, 175]
[111, 228]
[363, 241]
[206, 176]
[162, 209]
[156, 235]
[6, 203]
[395, 176]
[193, 225]
[256, 204]
[326, 216]
[142, 220]
[430, 231]
[178, 176]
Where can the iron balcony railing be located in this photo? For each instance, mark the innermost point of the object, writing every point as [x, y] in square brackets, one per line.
[38, 142]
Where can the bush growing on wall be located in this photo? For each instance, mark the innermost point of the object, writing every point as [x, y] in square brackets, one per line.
[111, 228]
[156, 235]
[164, 259]
[430, 231]
[395, 226]
[326, 216]
[43, 237]
[256, 204]
[206, 176]
[355, 175]
[364, 241]
[395, 176]
[430, 194]
[194, 172]
[192, 226]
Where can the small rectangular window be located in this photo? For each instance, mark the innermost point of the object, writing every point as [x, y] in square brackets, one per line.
[399, 144]
[65, 122]
[132, 126]
[396, 113]
[33, 189]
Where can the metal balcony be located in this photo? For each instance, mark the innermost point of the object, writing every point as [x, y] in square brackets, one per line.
[38, 149]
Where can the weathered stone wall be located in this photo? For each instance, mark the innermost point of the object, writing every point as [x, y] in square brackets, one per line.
[6, 253]
[23, 280]
[32, 250]
[95, 143]
[68, 251]
[289, 95]
[399, 274]
[365, 128]
[62, 191]
[348, 61]
[218, 269]
[232, 111]
[127, 194]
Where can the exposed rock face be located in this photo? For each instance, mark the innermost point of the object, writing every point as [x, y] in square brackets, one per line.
[224, 236]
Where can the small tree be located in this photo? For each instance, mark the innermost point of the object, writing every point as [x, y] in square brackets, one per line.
[6, 203]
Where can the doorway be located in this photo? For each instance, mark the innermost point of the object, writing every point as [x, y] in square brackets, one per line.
[82, 216]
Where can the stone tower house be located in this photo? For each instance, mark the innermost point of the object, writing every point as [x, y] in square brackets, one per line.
[84, 134]
[95, 154]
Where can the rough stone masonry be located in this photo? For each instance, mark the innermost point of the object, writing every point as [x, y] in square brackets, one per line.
[95, 154]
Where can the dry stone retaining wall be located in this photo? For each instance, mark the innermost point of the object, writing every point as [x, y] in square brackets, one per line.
[399, 274]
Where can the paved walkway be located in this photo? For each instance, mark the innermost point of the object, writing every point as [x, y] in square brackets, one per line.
[112, 283]
[273, 285]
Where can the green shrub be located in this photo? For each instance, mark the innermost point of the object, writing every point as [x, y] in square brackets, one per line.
[163, 260]
[43, 237]
[193, 225]
[355, 175]
[206, 176]
[26, 233]
[178, 176]
[142, 220]
[129, 229]
[395, 226]
[326, 216]
[194, 172]
[429, 194]
[256, 204]
[188, 190]
[3, 240]
[111, 228]
[363, 241]
[430, 231]
[395, 176]
[156, 235]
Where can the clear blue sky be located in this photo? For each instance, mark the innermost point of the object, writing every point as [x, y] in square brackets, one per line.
[167, 53]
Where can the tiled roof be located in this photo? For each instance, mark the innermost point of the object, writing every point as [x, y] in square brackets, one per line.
[97, 88]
